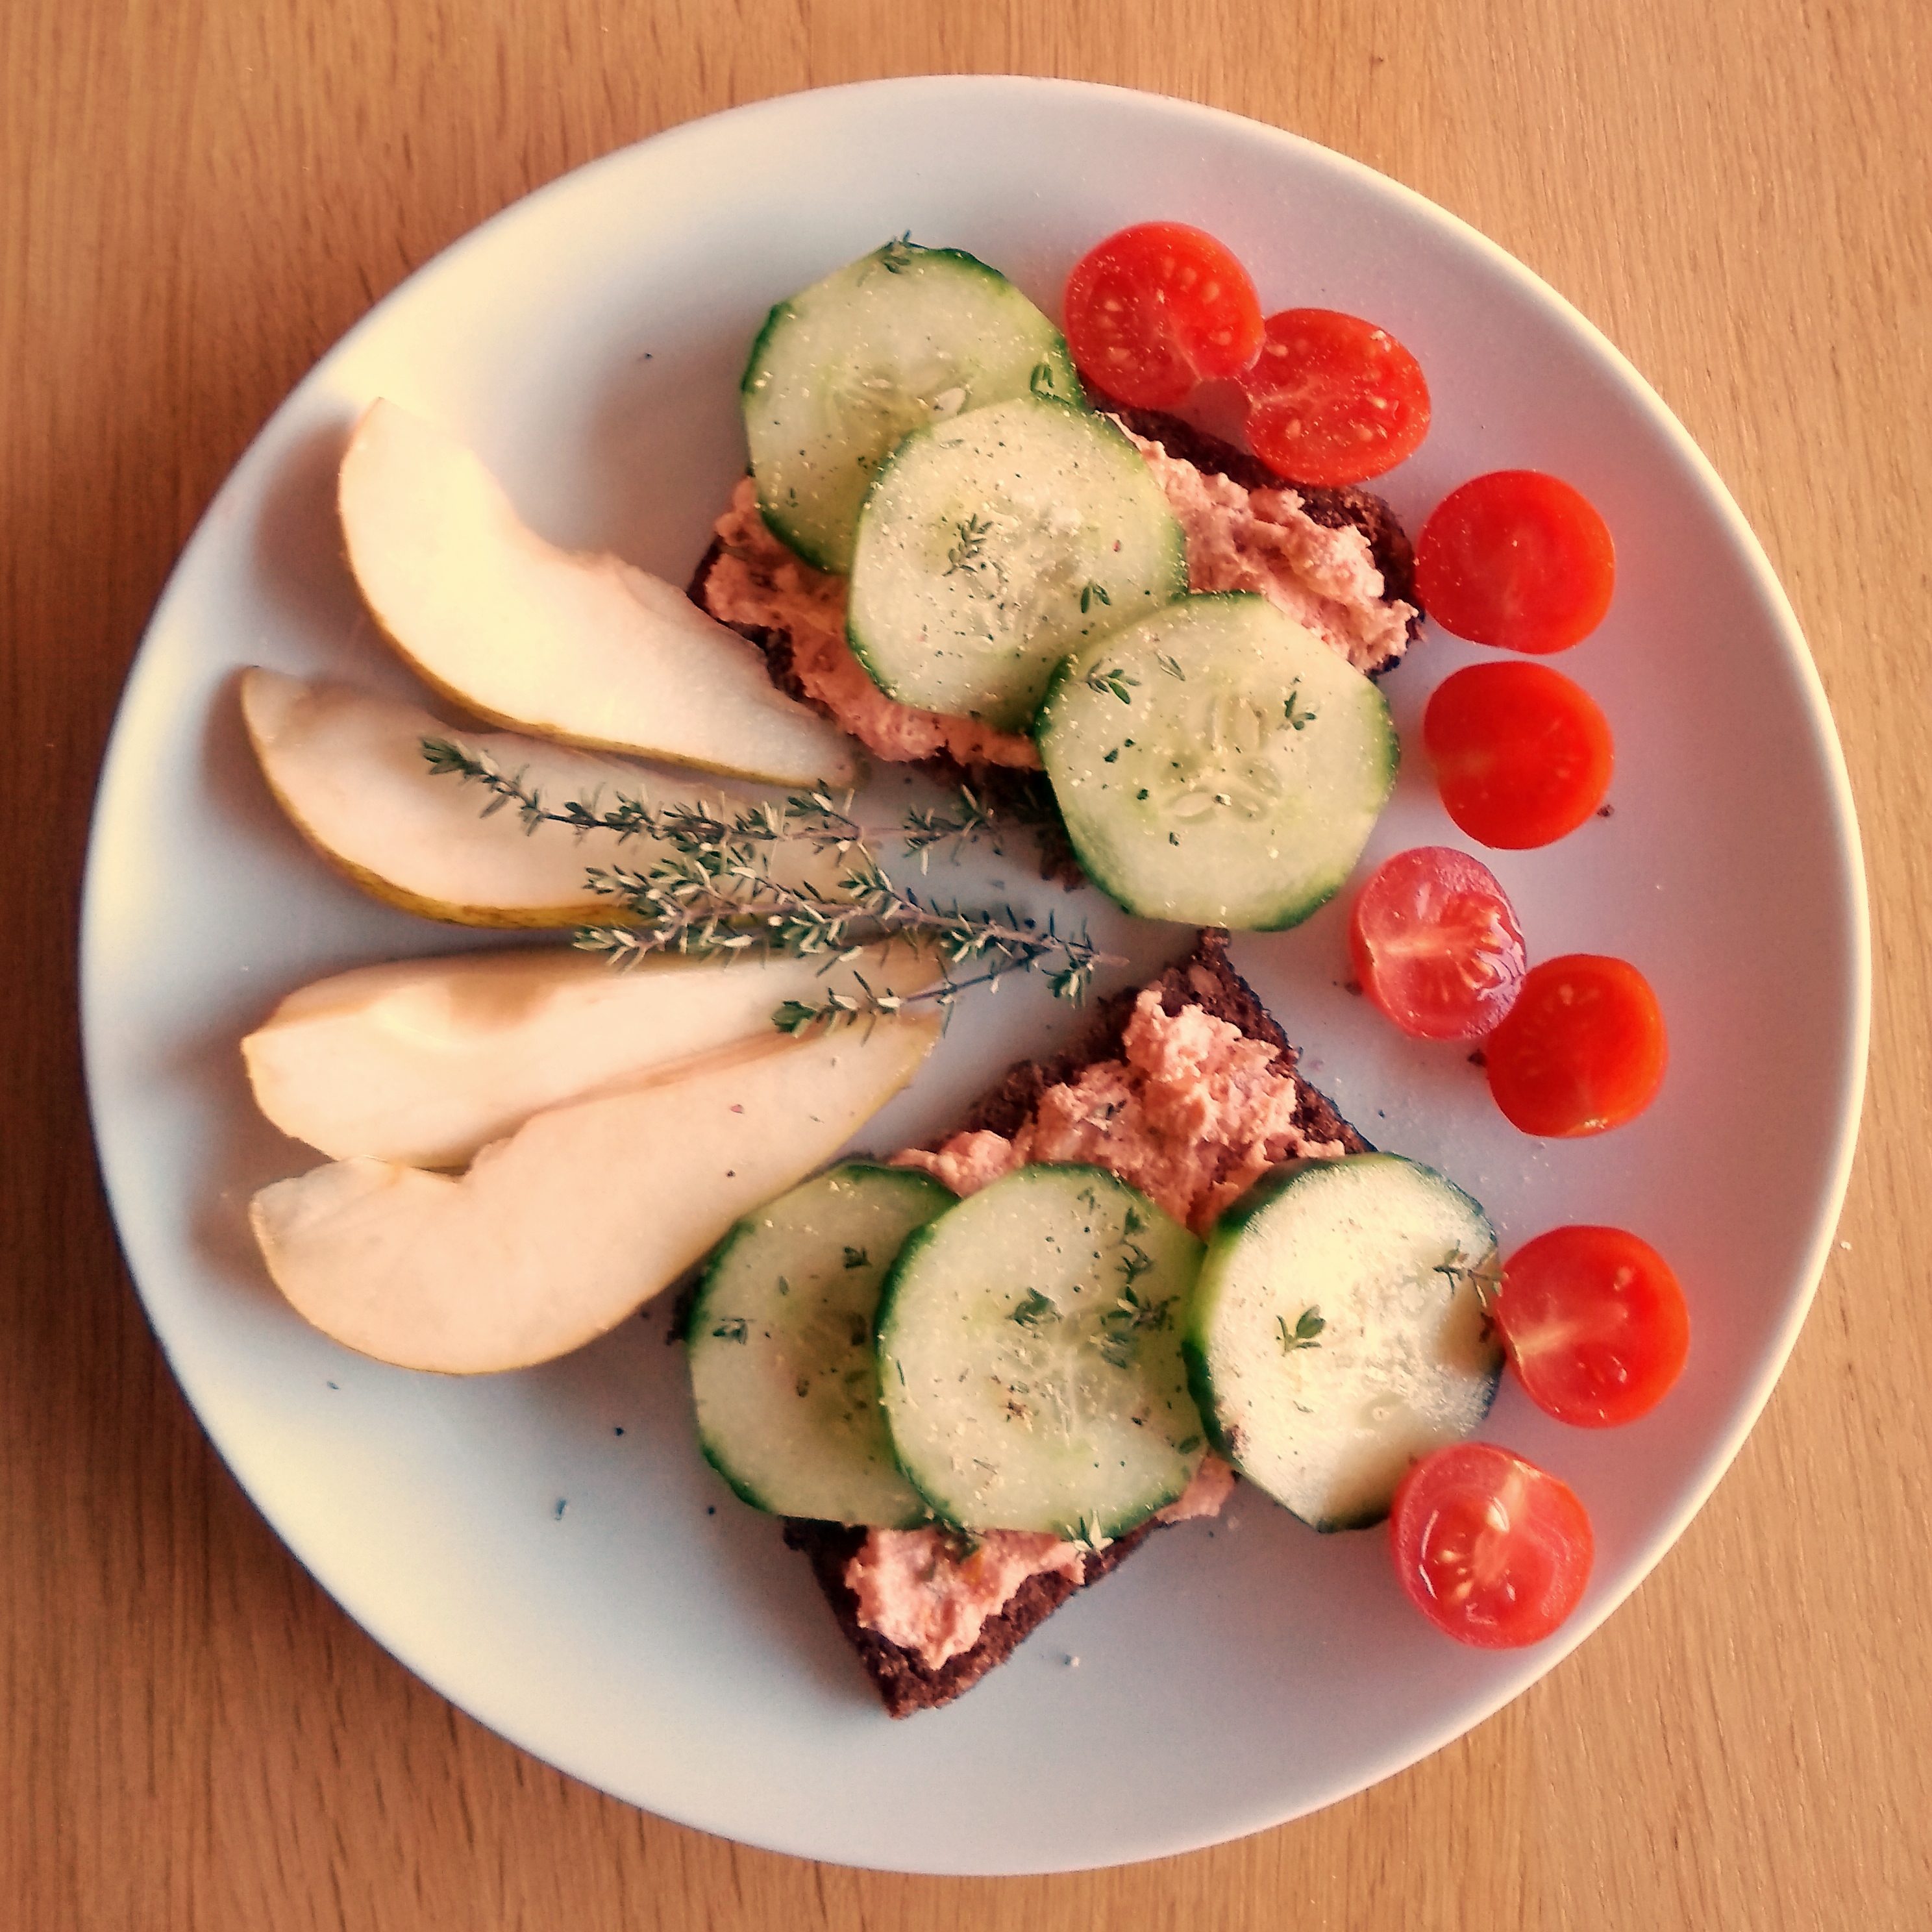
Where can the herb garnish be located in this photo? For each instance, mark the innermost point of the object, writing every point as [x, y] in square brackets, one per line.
[1307, 1329]
[1171, 665]
[1114, 683]
[857, 1258]
[1484, 1276]
[1035, 1312]
[1130, 1318]
[896, 255]
[969, 547]
[1041, 381]
[1091, 594]
[1293, 713]
[732, 1328]
[708, 890]
[1087, 1534]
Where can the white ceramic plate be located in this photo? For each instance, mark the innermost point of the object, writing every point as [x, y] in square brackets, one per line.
[596, 1596]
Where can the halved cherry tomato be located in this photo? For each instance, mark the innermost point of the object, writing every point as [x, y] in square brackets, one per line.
[1436, 944]
[1489, 1548]
[1595, 1324]
[1333, 399]
[1522, 755]
[1158, 308]
[1581, 1052]
[1518, 560]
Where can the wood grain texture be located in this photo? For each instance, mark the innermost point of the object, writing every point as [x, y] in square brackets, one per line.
[198, 196]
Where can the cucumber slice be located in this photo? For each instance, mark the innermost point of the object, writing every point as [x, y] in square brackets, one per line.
[991, 545]
[779, 1343]
[842, 371]
[1030, 1358]
[1338, 1331]
[1217, 763]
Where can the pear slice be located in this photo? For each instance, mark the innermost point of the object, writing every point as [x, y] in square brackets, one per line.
[556, 1234]
[585, 648]
[425, 1061]
[347, 767]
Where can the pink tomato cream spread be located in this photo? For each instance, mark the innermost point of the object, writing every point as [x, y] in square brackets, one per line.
[1192, 1114]
[756, 581]
[1263, 540]
[1237, 539]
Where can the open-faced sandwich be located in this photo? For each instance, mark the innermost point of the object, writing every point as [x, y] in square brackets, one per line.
[976, 1377]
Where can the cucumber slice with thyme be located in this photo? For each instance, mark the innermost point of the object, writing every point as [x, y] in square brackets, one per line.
[1217, 763]
[1338, 1331]
[843, 370]
[991, 545]
[1030, 1359]
[779, 1344]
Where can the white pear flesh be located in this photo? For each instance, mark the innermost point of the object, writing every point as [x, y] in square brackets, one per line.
[347, 767]
[582, 647]
[424, 1061]
[556, 1234]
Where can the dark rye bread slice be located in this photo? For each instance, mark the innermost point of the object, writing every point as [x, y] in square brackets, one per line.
[906, 1682]
[1332, 508]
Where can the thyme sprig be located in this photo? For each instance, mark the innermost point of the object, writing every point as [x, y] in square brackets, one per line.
[708, 889]
[717, 900]
[816, 818]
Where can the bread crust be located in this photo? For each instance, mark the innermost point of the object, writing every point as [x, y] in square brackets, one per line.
[905, 1682]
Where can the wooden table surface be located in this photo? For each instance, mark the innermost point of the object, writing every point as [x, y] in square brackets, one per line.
[199, 196]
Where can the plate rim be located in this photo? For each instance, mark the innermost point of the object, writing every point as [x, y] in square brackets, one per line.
[1854, 1039]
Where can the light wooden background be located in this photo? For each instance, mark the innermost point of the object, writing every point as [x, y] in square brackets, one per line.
[199, 197]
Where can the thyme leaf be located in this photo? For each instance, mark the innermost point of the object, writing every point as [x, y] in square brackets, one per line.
[1305, 1333]
[969, 543]
[1035, 1312]
[1114, 683]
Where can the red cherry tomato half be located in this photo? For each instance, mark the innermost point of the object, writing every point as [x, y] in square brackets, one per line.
[1158, 308]
[1516, 559]
[1489, 1548]
[1436, 944]
[1333, 399]
[1595, 1324]
[1522, 755]
[1581, 1052]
